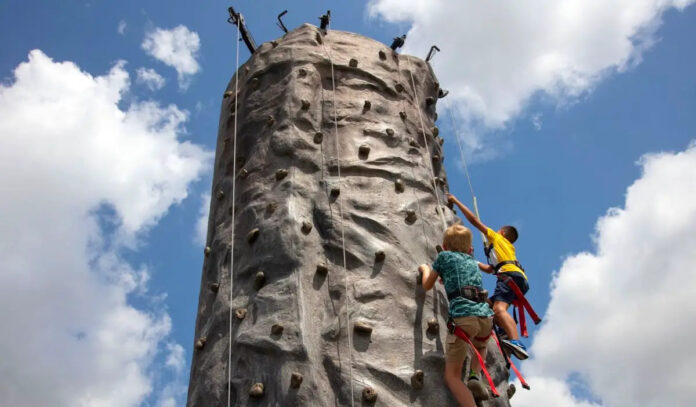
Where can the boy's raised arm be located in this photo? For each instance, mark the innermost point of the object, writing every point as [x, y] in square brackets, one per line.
[468, 214]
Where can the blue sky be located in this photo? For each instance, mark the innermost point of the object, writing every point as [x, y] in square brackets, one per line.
[553, 165]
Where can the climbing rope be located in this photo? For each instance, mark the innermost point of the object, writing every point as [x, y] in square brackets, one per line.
[427, 148]
[466, 168]
[234, 180]
[340, 210]
[413, 190]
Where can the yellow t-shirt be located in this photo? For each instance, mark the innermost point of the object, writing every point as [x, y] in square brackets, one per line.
[504, 251]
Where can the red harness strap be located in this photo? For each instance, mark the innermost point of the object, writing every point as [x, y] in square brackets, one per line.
[521, 304]
[461, 334]
[514, 368]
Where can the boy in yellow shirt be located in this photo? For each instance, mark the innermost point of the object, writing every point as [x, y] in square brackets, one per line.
[506, 262]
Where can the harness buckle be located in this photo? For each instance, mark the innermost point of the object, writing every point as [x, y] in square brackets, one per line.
[451, 326]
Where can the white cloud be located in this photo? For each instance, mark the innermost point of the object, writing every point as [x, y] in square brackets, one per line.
[621, 319]
[177, 48]
[150, 78]
[496, 55]
[122, 27]
[79, 178]
[202, 222]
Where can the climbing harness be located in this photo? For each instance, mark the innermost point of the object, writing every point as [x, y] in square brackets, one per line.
[325, 21]
[234, 182]
[454, 329]
[520, 305]
[469, 292]
[508, 361]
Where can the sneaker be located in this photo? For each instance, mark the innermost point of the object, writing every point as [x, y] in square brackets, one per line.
[517, 348]
[478, 390]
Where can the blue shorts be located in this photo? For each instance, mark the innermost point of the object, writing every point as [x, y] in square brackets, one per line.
[504, 293]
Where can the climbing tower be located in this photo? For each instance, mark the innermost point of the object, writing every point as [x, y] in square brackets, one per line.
[309, 291]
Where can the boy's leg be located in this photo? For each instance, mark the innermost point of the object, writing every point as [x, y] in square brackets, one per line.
[505, 320]
[453, 378]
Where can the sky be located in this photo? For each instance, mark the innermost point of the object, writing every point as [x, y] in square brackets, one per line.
[578, 124]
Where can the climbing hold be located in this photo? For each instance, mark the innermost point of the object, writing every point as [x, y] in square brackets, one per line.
[413, 143]
[305, 104]
[207, 250]
[259, 280]
[433, 326]
[367, 105]
[253, 235]
[322, 269]
[511, 390]
[364, 151]
[382, 55]
[435, 116]
[411, 216]
[417, 379]
[353, 63]
[319, 40]
[306, 227]
[271, 206]
[362, 327]
[200, 343]
[440, 181]
[214, 287]
[277, 329]
[302, 72]
[296, 380]
[254, 83]
[318, 137]
[436, 131]
[369, 394]
[243, 173]
[220, 194]
[270, 120]
[240, 313]
[399, 185]
[429, 101]
[438, 248]
[436, 157]
[390, 132]
[399, 87]
[228, 94]
[402, 115]
[256, 390]
[335, 191]
[440, 141]
[280, 174]
[380, 255]
[274, 43]
[247, 69]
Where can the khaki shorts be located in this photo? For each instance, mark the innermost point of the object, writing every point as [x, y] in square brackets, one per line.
[475, 327]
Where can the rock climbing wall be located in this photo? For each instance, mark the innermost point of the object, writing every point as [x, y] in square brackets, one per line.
[303, 323]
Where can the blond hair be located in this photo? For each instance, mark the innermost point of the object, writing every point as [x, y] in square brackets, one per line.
[457, 238]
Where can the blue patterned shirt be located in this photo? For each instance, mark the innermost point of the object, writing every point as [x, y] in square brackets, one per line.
[458, 269]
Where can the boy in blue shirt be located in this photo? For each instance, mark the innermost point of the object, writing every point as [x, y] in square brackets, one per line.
[467, 307]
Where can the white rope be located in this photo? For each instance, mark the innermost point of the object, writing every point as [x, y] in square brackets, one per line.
[234, 181]
[466, 168]
[340, 210]
[427, 148]
[413, 175]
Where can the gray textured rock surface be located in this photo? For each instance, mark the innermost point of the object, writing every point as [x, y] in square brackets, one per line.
[288, 226]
